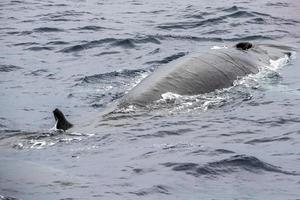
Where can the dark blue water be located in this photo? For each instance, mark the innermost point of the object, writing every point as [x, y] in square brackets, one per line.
[81, 56]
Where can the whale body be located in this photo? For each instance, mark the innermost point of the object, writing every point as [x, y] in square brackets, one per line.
[204, 72]
[196, 74]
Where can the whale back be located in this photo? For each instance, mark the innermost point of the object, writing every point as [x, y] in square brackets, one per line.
[194, 74]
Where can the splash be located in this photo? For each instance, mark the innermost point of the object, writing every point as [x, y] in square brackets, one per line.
[218, 47]
[279, 63]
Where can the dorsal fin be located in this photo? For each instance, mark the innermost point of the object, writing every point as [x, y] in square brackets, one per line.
[61, 121]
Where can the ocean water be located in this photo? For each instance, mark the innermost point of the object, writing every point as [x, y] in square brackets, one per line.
[81, 56]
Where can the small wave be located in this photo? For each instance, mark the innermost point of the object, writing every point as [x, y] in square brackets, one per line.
[215, 39]
[20, 33]
[130, 43]
[153, 12]
[271, 122]
[57, 43]
[155, 51]
[167, 59]
[10, 133]
[161, 189]
[196, 15]
[251, 38]
[240, 14]
[98, 78]
[101, 100]
[40, 48]
[207, 22]
[188, 37]
[166, 133]
[257, 20]
[107, 53]
[9, 68]
[227, 166]
[124, 43]
[232, 13]
[91, 28]
[56, 5]
[231, 9]
[87, 45]
[265, 140]
[47, 29]
[25, 44]
[7, 198]
[16, 2]
[37, 72]
[277, 4]
[75, 48]
[276, 20]
[148, 39]
[217, 32]
[68, 15]
[223, 151]
[191, 25]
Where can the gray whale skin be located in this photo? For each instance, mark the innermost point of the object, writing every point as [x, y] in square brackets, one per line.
[204, 72]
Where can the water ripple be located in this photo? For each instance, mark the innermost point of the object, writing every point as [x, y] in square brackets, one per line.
[7, 198]
[97, 78]
[124, 43]
[161, 189]
[268, 139]
[47, 29]
[40, 48]
[215, 39]
[87, 45]
[166, 133]
[9, 68]
[234, 13]
[233, 164]
[91, 28]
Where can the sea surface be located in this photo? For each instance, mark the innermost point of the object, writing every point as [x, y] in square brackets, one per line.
[81, 56]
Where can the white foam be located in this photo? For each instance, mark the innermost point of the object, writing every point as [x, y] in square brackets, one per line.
[277, 64]
[104, 88]
[79, 134]
[218, 47]
[53, 129]
[170, 96]
[75, 134]
[38, 144]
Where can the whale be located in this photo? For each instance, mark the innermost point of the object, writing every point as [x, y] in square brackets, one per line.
[196, 74]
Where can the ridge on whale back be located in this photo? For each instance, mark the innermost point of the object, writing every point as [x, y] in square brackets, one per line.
[198, 74]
